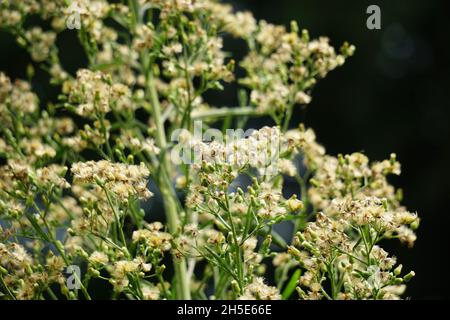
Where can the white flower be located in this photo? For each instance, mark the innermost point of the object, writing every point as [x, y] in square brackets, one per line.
[98, 258]
[123, 180]
[258, 290]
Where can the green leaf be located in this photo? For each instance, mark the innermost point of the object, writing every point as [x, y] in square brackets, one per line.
[290, 287]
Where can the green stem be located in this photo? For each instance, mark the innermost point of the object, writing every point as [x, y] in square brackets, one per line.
[105, 136]
[239, 265]
[116, 217]
[288, 117]
[218, 113]
[325, 294]
[165, 185]
[170, 204]
[51, 294]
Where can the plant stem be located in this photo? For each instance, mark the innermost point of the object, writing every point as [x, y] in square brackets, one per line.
[288, 117]
[51, 293]
[239, 265]
[165, 185]
[119, 225]
[217, 113]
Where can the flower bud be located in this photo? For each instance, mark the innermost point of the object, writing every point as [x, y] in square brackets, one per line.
[314, 182]
[3, 271]
[265, 245]
[415, 224]
[235, 287]
[294, 26]
[294, 252]
[59, 245]
[72, 295]
[294, 204]
[93, 272]
[398, 270]
[160, 269]
[130, 159]
[409, 276]
[64, 290]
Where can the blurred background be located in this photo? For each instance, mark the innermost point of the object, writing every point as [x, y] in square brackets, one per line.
[393, 95]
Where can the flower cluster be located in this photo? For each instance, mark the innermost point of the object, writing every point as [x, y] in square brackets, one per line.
[258, 290]
[153, 238]
[259, 150]
[121, 179]
[23, 276]
[93, 93]
[16, 98]
[41, 43]
[76, 172]
[345, 252]
[283, 66]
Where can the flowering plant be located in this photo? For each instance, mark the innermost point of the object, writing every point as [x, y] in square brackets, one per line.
[75, 174]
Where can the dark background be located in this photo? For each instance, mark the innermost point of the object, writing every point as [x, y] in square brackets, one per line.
[392, 96]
